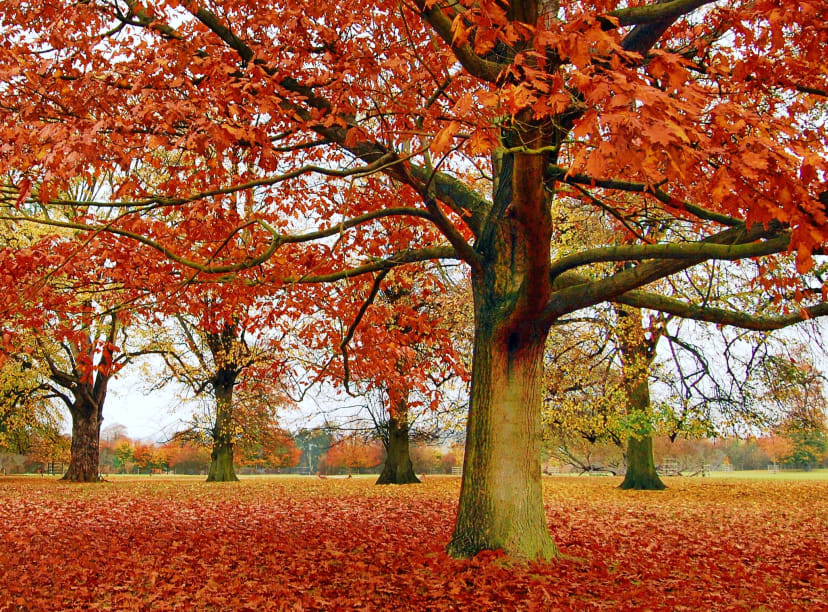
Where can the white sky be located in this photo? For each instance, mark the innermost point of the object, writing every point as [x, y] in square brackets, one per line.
[149, 416]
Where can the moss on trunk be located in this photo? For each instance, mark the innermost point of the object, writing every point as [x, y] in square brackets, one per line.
[222, 468]
[641, 473]
[221, 463]
[637, 356]
[501, 500]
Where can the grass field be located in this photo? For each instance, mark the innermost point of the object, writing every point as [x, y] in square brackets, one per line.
[177, 543]
[821, 474]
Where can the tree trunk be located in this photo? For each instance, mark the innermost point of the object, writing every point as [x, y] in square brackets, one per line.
[637, 357]
[86, 443]
[501, 500]
[641, 472]
[398, 468]
[221, 458]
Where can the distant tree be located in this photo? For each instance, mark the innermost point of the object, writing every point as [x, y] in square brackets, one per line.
[314, 444]
[124, 451]
[798, 388]
[354, 453]
[746, 454]
[692, 454]
[265, 444]
[451, 459]
[114, 432]
[214, 352]
[808, 446]
[50, 447]
[186, 457]
[143, 456]
[775, 446]
[425, 459]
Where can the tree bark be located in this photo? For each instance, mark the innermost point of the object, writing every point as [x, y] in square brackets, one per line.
[641, 473]
[221, 457]
[637, 357]
[86, 443]
[501, 499]
[398, 468]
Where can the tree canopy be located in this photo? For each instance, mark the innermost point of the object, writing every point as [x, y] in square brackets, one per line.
[268, 146]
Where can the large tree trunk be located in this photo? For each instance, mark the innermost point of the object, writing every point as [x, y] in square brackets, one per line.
[221, 458]
[398, 468]
[637, 356]
[501, 501]
[86, 443]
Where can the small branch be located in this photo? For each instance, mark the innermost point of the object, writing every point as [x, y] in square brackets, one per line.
[560, 174]
[399, 259]
[343, 346]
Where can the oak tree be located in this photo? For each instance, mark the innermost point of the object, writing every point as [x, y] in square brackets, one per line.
[338, 144]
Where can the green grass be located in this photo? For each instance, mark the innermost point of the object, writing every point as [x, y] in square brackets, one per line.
[820, 474]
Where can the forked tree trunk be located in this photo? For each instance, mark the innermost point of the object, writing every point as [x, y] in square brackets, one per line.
[398, 468]
[221, 457]
[501, 500]
[86, 443]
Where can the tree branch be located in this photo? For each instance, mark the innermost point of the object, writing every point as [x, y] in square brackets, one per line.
[689, 251]
[561, 174]
[398, 259]
[721, 316]
[572, 291]
[343, 346]
[659, 11]
[478, 66]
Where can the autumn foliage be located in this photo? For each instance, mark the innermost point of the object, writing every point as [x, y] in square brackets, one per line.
[292, 543]
[257, 151]
[353, 453]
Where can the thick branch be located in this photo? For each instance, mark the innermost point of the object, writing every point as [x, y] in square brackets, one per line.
[476, 65]
[573, 292]
[457, 195]
[721, 316]
[659, 11]
[560, 174]
[689, 250]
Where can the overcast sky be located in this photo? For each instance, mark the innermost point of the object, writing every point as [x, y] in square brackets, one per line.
[152, 416]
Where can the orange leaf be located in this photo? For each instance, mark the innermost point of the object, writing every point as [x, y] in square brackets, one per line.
[442, 141]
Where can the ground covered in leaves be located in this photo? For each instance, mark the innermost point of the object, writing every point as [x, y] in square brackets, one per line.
[303, 543]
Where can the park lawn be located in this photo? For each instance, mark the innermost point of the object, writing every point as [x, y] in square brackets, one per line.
[820, 474]
[307, 543]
